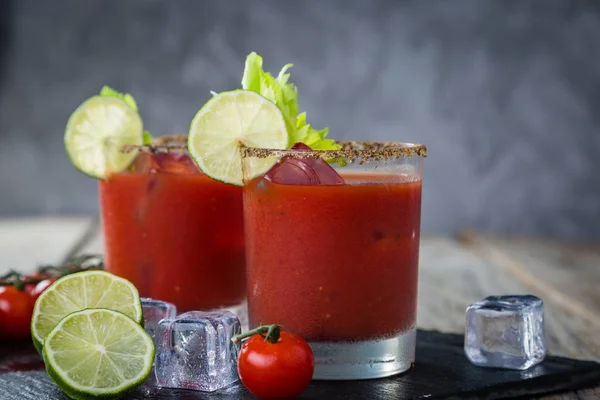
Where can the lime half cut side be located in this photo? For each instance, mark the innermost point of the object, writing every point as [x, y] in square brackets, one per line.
[96, 133]
[98, 353]
[228, 121]
[75, 292]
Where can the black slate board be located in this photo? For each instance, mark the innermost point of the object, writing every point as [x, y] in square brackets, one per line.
[441, 372]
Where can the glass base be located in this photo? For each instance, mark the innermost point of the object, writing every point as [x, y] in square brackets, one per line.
[364, 360]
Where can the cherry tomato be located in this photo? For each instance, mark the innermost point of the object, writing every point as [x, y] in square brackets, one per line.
[40, 287]
[275, 364]
[16, 308]
[30, 288]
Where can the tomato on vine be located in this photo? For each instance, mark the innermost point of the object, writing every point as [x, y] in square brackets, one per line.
[274, 364]
[18, 293]
[16, 308]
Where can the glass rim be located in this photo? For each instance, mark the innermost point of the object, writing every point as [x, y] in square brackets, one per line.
[350, 150]
[166, 143]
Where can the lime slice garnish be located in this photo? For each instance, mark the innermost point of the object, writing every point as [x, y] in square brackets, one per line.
[75, 292]
[96, 133]
[98, 353]
[229, 120]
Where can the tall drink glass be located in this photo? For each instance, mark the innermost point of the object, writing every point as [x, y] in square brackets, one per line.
[175, 233]
[334, 258]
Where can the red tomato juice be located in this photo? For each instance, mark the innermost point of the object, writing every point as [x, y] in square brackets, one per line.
[176, 234]
[334, 263]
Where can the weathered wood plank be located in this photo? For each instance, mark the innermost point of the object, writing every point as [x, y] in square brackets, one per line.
[26, 243]
[94, 244]
[452, 277]
[525, 267]
[91, 233]
[568, 275]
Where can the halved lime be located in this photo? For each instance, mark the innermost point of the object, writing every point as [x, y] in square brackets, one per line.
[228, 121]
[98, 353]
[75, 292]
[96, 133]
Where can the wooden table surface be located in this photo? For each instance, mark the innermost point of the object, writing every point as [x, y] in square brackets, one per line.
[454, 272]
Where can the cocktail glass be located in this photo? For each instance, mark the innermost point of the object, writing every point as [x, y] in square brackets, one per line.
[332, 253]
[174, 232]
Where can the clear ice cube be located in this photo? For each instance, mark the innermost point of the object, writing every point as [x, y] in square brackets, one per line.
[195, 351]
[303, 171]
[154, 312]
[506, 332]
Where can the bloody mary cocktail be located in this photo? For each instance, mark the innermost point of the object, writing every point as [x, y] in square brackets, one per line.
[174, 232]
[336, 260]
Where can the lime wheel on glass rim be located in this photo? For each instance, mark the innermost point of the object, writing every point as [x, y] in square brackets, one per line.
[228, 121]
[96, 133]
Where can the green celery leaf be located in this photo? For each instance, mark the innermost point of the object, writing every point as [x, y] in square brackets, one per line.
[147, 138]
[126, 97]
[285, 96]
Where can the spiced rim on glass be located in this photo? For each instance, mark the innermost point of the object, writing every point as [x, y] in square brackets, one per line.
[349, 152]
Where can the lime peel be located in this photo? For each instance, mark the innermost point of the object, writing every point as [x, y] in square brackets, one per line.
[285, 96]
[107, 91]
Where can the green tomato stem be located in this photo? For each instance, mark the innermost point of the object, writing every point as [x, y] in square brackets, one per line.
[76, 264]
[269, 332]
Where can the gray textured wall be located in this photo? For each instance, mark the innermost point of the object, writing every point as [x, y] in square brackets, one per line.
[504, 93]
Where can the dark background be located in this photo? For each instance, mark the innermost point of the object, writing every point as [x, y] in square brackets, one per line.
[505, 94]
